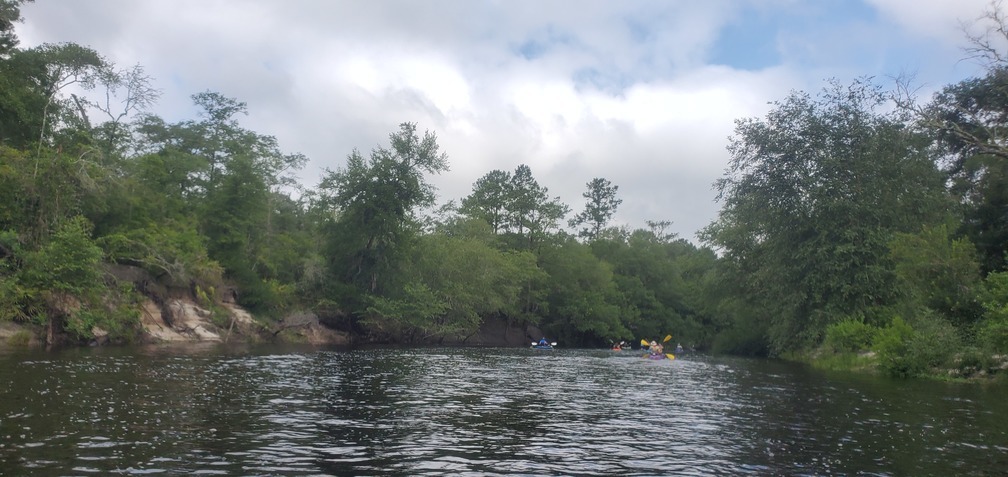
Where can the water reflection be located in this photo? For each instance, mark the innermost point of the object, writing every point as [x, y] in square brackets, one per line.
[304, 411]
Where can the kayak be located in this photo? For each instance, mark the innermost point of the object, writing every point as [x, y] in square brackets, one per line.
[543, 344]
[659, 356]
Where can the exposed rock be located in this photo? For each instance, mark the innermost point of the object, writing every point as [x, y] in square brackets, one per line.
[101, 337]
[306, 327]
[188, 321]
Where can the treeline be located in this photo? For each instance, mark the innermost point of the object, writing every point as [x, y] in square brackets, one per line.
[850, 230]
[206, 205]
[861, 228]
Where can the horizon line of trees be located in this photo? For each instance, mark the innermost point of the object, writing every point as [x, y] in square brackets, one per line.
[847, 224]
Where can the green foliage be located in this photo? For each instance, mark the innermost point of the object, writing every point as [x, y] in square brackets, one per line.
[375, 200]
[993, 330]
[118, 317]
[174, 252]
[935, 340]
[419, 311]
[907, 351]
[13, 185]
[489, 200]
[583, 298]
[938, 272]
[835, 218]
[812, 196]
[849, 335]
[745, 337]
[32, 110]
[892, 344]
[62, 280]
[969, 120]
[982, 187]
[532, 214]
[973, 360]
[515, 205]
[600, 206]
[662, 284]
[10, 13]
[67, 263]
[993, 335]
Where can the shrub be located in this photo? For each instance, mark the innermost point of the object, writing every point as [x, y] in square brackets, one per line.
[850, 335]
[906, 350]
[892, 344]
[20, 338]
[934, 341]
[972, 360]
[993, 335]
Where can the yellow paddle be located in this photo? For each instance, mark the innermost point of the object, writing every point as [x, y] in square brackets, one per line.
[667, 337]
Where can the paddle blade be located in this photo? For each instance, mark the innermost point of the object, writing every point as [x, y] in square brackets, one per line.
[668, 337]
[643, 342]
[669, 356]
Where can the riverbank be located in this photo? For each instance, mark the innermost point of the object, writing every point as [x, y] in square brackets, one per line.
[183, 319]
[965, 366]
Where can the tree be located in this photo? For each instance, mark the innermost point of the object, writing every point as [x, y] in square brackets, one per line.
[127, 92]
[374, 201]
[939, 272]
[489, 200]
[453, 283]
[62, 273]
[584, 302]
[969, 119]
[10, 13]
[31, 84]
[658, 297]
[811, 198]
[524, 196]
[531, 213]
[601, 206]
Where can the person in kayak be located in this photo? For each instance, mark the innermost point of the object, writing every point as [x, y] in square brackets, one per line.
[543, 342]
[656, 347]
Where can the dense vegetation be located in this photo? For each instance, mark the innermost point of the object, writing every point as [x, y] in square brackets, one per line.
[850, 229]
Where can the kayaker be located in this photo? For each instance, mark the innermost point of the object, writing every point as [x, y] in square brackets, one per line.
[543, 342]
[678, 348]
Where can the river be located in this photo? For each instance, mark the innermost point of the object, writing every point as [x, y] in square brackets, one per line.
[242, 411]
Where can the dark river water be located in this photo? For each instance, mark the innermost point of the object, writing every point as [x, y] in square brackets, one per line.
[211, 410]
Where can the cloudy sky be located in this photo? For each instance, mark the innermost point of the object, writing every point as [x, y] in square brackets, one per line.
[642, 93]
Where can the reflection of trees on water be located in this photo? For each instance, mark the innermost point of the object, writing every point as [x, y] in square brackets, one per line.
[402, 412]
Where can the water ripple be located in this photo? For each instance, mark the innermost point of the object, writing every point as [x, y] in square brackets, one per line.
[221, 411]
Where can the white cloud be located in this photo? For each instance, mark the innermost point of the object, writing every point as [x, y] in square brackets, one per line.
[938, 19]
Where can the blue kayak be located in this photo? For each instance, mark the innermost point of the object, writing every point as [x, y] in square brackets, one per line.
[543, 347]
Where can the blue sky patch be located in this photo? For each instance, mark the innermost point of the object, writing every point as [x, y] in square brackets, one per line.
[756, 38]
